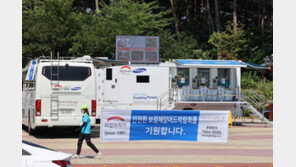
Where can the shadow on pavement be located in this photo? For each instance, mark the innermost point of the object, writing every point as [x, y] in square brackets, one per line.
[89, 156]
[52, 133]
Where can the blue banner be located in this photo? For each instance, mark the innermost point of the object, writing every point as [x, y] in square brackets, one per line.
[31, 70]
[131, 125]
[164, 125]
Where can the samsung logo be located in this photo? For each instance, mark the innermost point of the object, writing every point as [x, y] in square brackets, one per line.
[139, 70]
[76, 88]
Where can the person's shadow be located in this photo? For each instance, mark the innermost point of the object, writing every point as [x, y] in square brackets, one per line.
[89, 156]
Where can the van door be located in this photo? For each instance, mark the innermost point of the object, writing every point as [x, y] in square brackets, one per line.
[110, 85]
[76, 86]
[100, 88]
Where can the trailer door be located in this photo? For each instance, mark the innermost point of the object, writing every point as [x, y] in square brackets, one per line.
[110, 86]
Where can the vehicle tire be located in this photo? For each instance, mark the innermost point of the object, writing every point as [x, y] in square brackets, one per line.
[187, 108]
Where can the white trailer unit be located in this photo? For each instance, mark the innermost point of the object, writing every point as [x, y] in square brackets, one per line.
[54, 90]
[177, 85]
[131, 86]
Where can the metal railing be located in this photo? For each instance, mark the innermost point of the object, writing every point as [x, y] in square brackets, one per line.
[256, 104]
[255, 99]
[170, 97]
[258, 114]
[211, 94]
[84, 59]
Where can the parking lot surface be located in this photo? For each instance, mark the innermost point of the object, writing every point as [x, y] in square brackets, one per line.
[248, 145]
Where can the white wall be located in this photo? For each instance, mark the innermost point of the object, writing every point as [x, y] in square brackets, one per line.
[213, 75]
[232, 78]
[192, 75]
[133, 95]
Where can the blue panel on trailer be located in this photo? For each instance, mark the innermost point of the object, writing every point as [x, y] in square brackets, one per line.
[210, 62]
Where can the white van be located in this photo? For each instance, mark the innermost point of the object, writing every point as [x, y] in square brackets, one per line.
[54, 90]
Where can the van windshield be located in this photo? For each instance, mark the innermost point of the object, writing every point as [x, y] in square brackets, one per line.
[66, 73]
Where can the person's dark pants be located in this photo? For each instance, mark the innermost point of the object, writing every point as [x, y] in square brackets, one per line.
[88, 142]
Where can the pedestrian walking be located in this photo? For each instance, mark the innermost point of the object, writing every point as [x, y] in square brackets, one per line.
[85, 131]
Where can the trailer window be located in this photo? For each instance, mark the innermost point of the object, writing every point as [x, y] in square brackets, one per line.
[224, 77]
[182, 77]
[203, 75]
[66, 73]
[143, 79]
[109, 74]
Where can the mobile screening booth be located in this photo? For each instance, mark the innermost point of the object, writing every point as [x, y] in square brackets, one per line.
[207, 80]
[177, 85]
[208, 84]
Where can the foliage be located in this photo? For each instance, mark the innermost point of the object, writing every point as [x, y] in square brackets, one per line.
[170, 48]
[231, 41]
[259, 46]
[75, 28]
[48, 26]
[123, 17]
[247, 113]
[251, 80]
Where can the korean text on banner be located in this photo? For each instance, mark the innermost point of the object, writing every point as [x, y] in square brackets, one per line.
[129, 125]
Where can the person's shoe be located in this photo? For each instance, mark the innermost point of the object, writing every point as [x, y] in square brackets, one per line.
[76, 156]
[99, 155]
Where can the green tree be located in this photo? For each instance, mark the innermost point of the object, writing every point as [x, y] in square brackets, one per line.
[76, 27]
[48, 26]
[231, 42]
[171, 48]
[123, 17]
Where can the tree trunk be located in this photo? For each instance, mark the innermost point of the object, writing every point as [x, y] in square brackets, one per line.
[84, 5]
[188, 11]
[202, 6]
[262, 17]
[176, 20]
[234, 16]
[258, 12]
[195, 9]
[217, 15]
[97, 4]
[210, 19]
